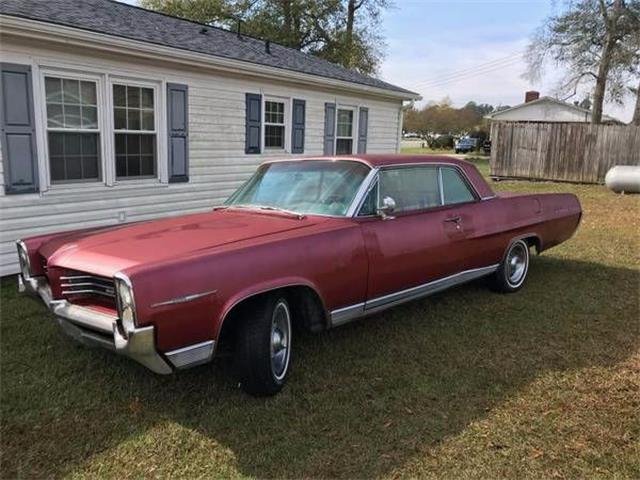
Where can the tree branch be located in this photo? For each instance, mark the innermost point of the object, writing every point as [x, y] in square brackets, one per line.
[603, 10]
[575, 80]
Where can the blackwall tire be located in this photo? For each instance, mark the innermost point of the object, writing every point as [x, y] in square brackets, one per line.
[263, 346]
[512, 272]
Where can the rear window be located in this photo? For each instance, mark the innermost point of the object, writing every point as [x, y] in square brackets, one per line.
[455, 188]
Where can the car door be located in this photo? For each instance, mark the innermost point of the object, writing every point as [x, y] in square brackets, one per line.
[413, 245]
[467, 222]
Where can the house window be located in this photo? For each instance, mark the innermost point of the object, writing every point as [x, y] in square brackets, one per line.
[344, 137]
[274, 127]
[73, 133]
[135, 131]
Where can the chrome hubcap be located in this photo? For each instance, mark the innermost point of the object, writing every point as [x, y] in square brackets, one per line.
[280, 340]
[517, 264]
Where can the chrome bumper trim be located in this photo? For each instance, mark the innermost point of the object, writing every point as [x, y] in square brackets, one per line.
[192, 355]
[98, 329]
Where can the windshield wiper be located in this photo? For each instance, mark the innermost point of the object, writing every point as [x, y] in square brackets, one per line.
[297, 215]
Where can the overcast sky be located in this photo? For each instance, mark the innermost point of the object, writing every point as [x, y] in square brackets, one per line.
[469, 50]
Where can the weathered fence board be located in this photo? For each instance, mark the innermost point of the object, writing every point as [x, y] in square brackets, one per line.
[571, 152]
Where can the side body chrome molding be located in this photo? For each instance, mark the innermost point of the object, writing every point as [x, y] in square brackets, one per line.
[185, 299]
[353, 312]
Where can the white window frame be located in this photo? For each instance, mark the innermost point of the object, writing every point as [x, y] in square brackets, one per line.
[45, 165]
[287, 124]
[157, 131]
[104, 96]
[354, 128]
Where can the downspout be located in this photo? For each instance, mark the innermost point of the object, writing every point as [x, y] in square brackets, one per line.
[400, 123]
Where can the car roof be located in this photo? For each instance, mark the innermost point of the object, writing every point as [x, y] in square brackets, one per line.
[383, 160]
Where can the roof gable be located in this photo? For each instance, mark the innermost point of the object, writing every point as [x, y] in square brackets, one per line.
[551, 102]
[122, 20]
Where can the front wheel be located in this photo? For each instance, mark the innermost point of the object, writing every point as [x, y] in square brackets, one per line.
[263, 346]
[513, 270]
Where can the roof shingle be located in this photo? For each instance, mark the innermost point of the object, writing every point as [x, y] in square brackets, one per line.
[118, 19]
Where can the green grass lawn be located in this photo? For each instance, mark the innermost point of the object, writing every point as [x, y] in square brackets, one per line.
[544, 383]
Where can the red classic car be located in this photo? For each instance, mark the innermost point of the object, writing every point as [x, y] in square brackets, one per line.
[316, 242]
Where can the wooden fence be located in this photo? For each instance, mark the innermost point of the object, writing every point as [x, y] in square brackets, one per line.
[571, 152]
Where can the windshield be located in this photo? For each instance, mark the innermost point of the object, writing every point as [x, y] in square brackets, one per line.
[311, 186]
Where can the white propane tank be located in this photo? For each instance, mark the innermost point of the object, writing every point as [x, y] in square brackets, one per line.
[623, 178]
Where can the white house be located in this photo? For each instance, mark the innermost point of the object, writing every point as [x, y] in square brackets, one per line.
[545, 109]
[111, 113]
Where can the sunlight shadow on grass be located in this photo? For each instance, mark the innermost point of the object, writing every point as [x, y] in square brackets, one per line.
[362, 402]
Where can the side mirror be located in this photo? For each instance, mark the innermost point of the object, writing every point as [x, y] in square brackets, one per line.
[387, 208]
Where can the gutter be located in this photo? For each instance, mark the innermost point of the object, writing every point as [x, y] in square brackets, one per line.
[34, 29]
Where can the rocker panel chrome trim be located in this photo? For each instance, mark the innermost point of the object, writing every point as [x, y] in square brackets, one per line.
[428, 288]
[347, 314]
[192, 355]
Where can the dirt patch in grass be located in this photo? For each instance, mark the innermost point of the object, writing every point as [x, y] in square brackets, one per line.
[544, 383]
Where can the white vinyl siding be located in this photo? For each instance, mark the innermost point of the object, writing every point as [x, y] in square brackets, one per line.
[217, 162]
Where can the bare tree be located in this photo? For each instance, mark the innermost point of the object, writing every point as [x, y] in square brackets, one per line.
[598, 43]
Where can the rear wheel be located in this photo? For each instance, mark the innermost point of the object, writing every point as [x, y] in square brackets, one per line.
[263, 348]
[512, 272]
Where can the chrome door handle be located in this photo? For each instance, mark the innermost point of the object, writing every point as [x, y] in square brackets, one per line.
[453, 219]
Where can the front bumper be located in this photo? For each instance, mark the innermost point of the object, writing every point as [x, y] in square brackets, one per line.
[94, 328]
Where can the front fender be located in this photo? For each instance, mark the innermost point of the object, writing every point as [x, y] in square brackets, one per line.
[264, 287]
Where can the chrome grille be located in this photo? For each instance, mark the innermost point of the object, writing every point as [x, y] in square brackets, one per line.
[87, 285]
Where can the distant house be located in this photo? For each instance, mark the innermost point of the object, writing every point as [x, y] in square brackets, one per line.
[545, 109]
[111, 113]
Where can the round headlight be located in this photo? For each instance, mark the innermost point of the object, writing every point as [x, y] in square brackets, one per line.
[126, 306]
[128, 319]
[124, 294]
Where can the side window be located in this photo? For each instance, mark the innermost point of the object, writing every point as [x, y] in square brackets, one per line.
[412, 188]
[370, 204]
[454, 187]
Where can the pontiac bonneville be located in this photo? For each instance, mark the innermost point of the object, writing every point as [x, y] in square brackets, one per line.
[312, 243]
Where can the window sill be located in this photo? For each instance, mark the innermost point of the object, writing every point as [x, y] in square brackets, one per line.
[75, 188]
[274, 152]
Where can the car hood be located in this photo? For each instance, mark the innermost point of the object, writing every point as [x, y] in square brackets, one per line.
[107, 251]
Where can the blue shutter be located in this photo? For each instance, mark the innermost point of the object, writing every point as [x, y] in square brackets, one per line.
[329, 128]
[297, 127]
[178, 126]
[253, 123]
[18, 129]
[363, 126]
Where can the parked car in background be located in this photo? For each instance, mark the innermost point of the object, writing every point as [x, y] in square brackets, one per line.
[466, 144]
[315, 243]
